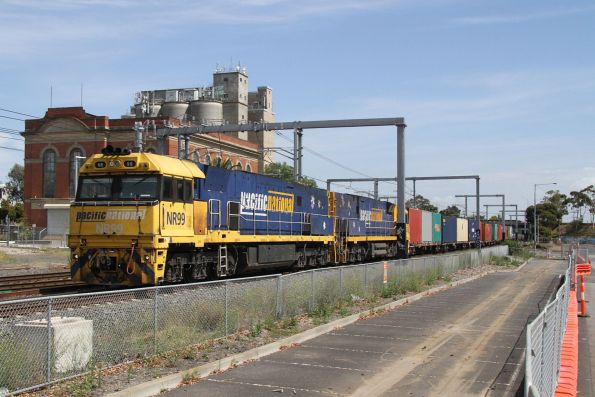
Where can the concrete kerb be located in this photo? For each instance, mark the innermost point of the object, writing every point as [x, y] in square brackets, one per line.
[173, 381]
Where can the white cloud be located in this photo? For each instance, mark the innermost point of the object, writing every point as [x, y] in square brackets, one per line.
[518, 18]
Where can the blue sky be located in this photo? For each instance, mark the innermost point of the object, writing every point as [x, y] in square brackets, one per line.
[504, 89]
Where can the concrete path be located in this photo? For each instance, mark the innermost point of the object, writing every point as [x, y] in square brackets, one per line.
[461, 342]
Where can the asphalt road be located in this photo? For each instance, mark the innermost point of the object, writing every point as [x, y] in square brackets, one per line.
[465, 341]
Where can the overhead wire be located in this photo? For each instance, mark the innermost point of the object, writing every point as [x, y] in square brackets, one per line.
[22, 114]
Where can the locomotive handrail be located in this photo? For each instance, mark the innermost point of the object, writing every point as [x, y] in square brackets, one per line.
[111, 203]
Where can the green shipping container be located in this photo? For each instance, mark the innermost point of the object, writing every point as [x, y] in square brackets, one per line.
[436, 228]
[495, 232]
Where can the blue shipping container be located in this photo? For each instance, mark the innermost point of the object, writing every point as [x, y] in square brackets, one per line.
[449, 229]
[473, 230]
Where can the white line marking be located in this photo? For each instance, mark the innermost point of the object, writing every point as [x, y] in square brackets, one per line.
[315, 365]
[274, 386]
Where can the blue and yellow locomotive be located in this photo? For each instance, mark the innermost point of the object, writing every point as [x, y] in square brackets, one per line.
[145, 219]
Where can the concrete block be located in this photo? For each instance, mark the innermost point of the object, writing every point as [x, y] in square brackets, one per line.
[71, 339]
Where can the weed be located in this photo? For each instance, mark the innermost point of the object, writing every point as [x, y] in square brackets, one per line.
[321, 314]
[256, 330]
[269, 323]
[190, 376]
[189, 353]
[129, 373]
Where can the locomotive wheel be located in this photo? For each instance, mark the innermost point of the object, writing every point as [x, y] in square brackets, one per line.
[300, 259]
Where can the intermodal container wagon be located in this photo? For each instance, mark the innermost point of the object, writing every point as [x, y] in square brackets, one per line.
[462, 230]
[449, 230]
[494, 231]
[414, 226]
[436, 228]
[486, 232]
[426, 227]
[473, 230]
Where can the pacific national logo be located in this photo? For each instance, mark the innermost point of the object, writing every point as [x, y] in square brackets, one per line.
[259, 203]
[115, 215]
[374, 215]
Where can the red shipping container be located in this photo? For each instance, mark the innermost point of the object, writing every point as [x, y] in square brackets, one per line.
[486, 232]
[499, 232]
[414, 226]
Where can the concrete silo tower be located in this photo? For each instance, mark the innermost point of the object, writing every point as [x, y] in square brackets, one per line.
[234, 84]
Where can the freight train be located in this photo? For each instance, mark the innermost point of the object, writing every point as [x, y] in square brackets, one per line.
[146, 219]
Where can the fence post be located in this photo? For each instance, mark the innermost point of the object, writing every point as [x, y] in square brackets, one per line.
[279, 296]
[312, 290]
[49, 362]
[226, 309]
[155, 320]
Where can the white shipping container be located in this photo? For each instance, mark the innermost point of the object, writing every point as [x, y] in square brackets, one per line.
[426, 227]
[462, 230]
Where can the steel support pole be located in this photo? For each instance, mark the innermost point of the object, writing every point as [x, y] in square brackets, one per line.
[477, 217]
[465, 206]
[503, 215]
[516, 222]
[187, 146]
[295, 154]
[414, 196]
[180, 147]
[376, 189]
[401, 173]
[300, 134]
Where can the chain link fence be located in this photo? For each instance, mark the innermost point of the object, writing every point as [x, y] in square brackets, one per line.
[19, 234]
[544, 341]
[44, 340]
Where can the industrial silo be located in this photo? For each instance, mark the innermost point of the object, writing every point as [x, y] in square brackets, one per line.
[206, 111]
[174, 109]
[146, 110]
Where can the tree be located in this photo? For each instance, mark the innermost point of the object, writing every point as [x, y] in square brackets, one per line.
[451, 210]
[15, 212]
[16, 184]
[285, 172]
[495, 218]
[422, 203]
[581, 200]
[227, 164]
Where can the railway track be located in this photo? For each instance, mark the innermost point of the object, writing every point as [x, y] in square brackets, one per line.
[34, 284]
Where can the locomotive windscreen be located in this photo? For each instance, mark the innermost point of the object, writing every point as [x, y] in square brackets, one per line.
[118, 187]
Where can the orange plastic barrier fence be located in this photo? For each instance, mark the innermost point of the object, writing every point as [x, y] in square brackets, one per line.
[567, 381]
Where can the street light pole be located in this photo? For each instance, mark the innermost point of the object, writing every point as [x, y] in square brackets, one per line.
[535, 213]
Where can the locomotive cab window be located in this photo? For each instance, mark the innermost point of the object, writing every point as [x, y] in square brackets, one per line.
[118, 188]
[187, 191]
[167, 193]
[179, 183]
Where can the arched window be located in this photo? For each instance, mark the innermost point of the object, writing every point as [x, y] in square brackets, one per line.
[195, 157]
[75, 162]
[248, 168]
[207, 159]
[49, 173]
[239, 165]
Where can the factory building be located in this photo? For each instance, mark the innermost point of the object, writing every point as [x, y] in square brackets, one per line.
[57, 144]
